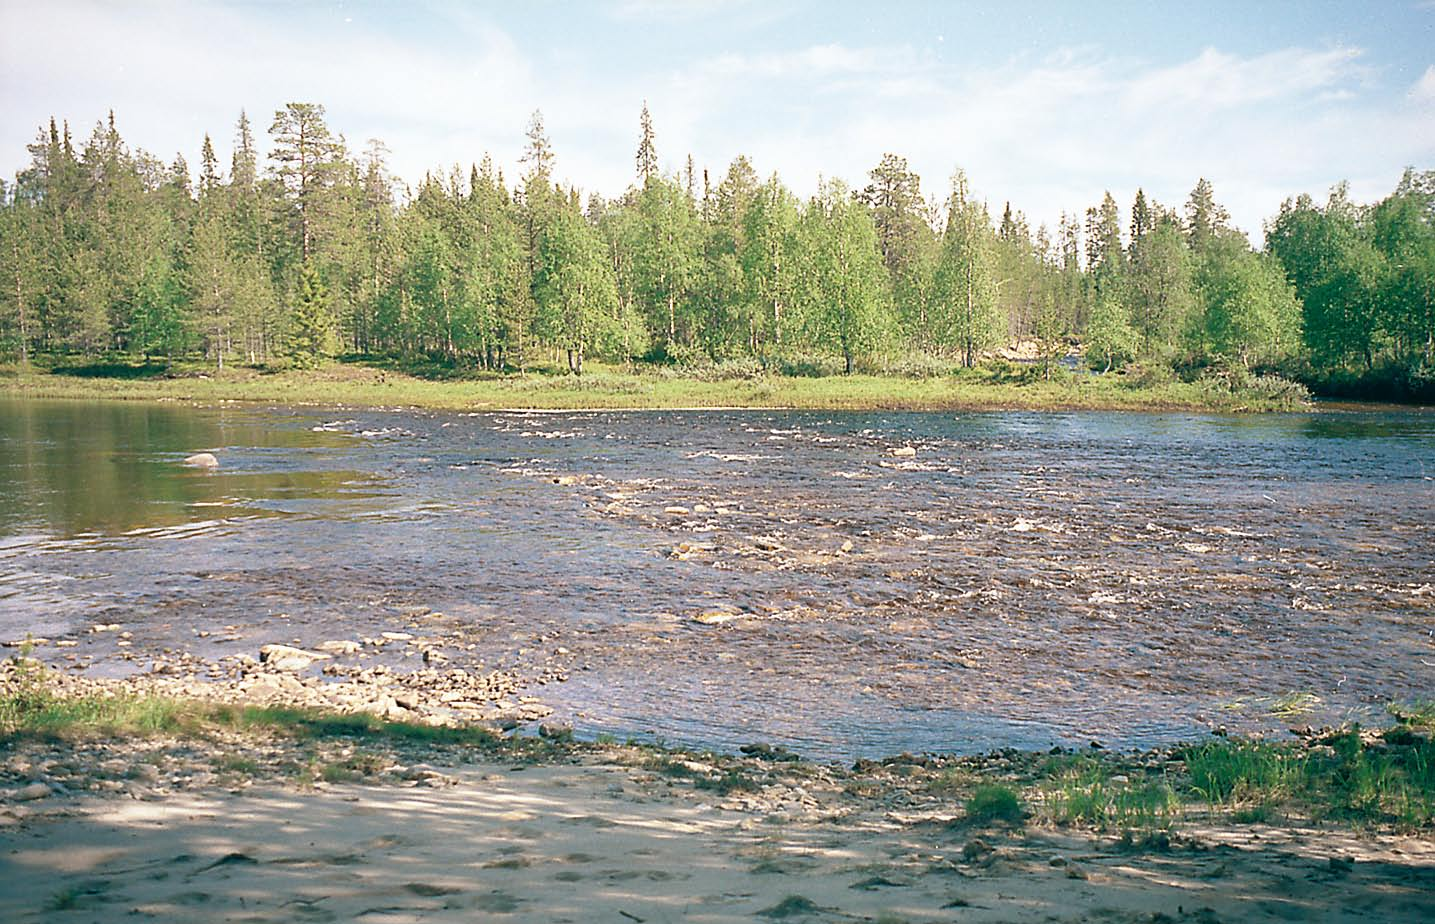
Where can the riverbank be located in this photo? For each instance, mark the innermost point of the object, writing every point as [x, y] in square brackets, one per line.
[118, 803]
[355, 385]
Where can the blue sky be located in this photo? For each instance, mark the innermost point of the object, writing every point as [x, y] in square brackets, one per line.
[1043, 104]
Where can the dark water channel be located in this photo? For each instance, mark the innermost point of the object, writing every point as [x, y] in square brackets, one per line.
[1023, 579]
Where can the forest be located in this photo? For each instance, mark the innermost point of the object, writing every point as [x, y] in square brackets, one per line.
[317, 251]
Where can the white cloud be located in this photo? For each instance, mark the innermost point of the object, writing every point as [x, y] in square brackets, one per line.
[172, 74]
[1424, 88]
[813, 63]
[675, 10]
[1217, 80]
[1050, 131]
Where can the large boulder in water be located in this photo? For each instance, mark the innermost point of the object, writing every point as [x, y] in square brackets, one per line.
[202, 460]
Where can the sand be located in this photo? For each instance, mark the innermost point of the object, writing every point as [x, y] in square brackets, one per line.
[597, 840]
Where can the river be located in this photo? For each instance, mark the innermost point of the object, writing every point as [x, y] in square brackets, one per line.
[714, 578]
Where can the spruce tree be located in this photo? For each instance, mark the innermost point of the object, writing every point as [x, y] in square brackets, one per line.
[647, 153]
[310, 322]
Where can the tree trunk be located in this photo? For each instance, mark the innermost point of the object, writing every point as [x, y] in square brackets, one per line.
[20, 306]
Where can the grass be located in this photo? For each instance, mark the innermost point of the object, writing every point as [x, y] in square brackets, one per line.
[1418, 714]
[1346, 777]
[375, 384]
[1234, 773]
[29, 711]
[1294, 704]
[995, 803]
[1087, 791]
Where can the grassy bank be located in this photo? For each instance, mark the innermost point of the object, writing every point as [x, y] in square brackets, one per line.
[376, 385]
[1346, 776]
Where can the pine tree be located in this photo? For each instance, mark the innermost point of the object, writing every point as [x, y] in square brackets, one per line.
[908, 243]
[304, 155]
[1143, 219]
[1106, 258]
[211, 284]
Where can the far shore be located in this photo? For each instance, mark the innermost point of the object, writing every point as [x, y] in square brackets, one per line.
[355, 385]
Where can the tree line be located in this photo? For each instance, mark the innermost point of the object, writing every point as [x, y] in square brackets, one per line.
[317, 249]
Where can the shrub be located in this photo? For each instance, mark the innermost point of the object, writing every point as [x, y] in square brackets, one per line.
[995, 803]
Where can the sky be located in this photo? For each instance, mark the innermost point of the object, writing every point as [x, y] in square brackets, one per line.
[1043, 104]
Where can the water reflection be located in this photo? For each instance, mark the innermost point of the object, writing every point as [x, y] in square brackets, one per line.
[71, 467]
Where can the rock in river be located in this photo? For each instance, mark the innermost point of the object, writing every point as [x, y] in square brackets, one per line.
[285, 658]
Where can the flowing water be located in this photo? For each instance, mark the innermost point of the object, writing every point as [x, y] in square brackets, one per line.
[720, 577]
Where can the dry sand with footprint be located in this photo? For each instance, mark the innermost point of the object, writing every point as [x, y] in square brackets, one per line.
[597, 841]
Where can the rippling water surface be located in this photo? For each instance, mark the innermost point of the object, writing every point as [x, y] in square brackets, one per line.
[720, 577]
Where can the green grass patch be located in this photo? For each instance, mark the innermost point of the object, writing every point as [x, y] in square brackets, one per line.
[1294, 704]
[1418, 713]
[1236, 772]
[995, 803]
[376, 383]
[1342, 777]
[728, 782]
[30, 711]
[1084, 790]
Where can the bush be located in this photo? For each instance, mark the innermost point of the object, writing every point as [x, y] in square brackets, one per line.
[1238, 382]
[809, 366]
[1148, 374]
[1282, 391]
[995, 803]
[920, 366]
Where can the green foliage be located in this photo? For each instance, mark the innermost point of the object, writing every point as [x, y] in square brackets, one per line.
[577, 296]
[1249, 313]
[845, 303]
[963, 310]
[1418, 713]
[1087, 790]
[1160, 290]
[1239, 772]
[310, 324]
[104, 250]
[1343, 777]
[1110, 338]
[995, 803]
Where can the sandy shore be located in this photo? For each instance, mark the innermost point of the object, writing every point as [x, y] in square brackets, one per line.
[595, 837]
